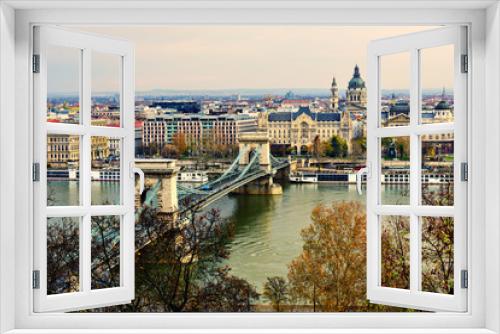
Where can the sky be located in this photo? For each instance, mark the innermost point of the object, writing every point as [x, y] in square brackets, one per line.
[190, 57]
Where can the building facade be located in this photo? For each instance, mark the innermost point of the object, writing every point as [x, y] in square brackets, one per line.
[298, 129]
[398, 114]
[63, 151]
[220, 130]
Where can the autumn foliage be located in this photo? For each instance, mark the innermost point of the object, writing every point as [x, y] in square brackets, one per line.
[330, 273]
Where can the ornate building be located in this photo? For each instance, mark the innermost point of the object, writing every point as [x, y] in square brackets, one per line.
[398, 113]
[63, 151]
[355, 105]
[356, 98]
[298, 129]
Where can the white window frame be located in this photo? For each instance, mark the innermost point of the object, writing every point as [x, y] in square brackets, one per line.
[44, 38]
[412, 44]
[15, 164]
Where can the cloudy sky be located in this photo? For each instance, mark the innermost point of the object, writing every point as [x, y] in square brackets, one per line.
[229, 57]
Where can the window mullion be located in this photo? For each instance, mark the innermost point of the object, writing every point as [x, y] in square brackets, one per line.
[85, 254]
[414, 173]
[85, 170]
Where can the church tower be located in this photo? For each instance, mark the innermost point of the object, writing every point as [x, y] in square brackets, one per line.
[356, 90]
[335, 96]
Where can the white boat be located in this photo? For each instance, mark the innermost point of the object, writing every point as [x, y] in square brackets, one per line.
[303, 178]
[105, 175]
[193, 176]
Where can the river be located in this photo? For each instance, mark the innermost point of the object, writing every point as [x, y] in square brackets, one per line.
[267, 228]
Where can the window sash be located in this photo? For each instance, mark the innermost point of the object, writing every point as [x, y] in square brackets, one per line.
[86, 297]
[414, 297]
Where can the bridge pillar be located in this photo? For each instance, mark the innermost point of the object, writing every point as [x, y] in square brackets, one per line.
[165, 172]
[284, 173]
[249, 142]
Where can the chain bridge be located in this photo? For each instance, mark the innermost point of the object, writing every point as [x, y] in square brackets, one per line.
[251, 172]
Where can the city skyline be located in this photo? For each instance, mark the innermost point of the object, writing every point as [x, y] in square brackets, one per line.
[257, 57]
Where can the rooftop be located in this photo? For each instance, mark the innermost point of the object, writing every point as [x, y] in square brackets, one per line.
[317, 116]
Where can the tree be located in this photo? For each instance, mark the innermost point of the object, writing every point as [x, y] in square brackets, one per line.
[105, 252]
[359, 147]
[437, 254]
[327, 148]
[226, 293]
[179, 264]
[172, 268]
[62, 255]
[437, 237]
[395, 252]
[317, 148]
[152, 149]
[276, 291]
[396, 147]
[403, 147]
[339, 147]
[181, 268]
[386, 143]
[330, 272]
[179, 141]
[169, 151]
[317, 151]
[438, 242]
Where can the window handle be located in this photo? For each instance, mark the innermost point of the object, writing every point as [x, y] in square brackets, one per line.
[134, 170]
[359, 177]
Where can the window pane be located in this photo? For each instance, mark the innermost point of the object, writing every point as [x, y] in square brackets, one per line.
[437, 254]
[437, 169]
[106, 89]
[395, 235]
[105, 251]
[105, 170]
[437, 75]
[395, 169]
[63, 264]
[63, 170]
[63, 84]
[395, 89]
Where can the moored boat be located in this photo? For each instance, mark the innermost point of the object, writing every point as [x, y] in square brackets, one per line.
[193, 176]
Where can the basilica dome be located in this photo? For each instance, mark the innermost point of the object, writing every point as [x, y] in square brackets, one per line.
[356, 82]
[442, 105]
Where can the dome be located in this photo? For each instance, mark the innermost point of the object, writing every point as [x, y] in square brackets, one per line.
[442, 105]
[356, 81]
[400, 107]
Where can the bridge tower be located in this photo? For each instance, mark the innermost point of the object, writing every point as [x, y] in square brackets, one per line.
[258, 141]
[255, 141]
[160, 175]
